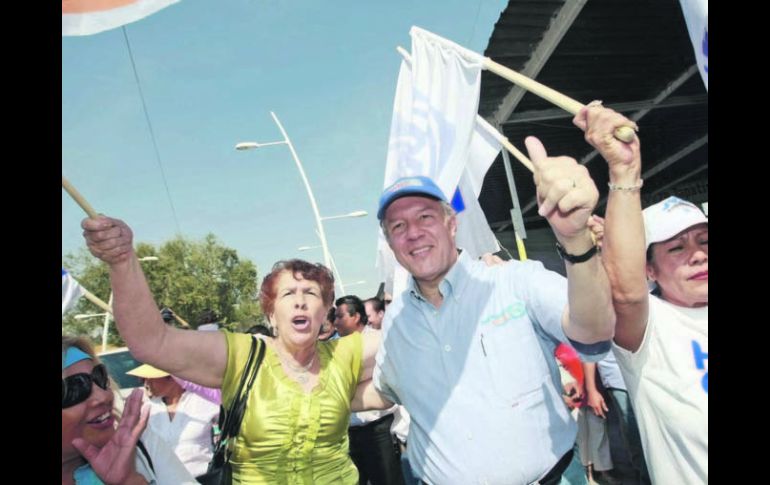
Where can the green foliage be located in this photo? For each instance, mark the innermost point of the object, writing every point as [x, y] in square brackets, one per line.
[188, 277]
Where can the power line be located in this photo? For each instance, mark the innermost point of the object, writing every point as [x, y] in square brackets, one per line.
[152, 133]
[475, 22]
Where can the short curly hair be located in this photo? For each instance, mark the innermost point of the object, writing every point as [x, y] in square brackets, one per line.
[298, 267]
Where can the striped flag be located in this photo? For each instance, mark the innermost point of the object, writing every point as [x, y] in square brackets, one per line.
[71, 291]
[87, 17]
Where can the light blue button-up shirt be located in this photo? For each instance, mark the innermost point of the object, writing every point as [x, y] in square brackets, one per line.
[478, 376]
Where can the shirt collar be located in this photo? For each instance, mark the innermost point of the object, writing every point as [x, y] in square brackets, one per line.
[453, 284]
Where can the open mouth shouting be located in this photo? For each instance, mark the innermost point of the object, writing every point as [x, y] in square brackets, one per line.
[300, 322]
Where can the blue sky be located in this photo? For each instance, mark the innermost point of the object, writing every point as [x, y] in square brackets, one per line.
[211, 72]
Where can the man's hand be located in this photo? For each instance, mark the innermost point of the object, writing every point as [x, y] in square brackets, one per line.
[566, 194]
[491, 259]
[572, 394]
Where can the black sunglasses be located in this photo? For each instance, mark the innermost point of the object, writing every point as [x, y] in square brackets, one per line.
[77, 388]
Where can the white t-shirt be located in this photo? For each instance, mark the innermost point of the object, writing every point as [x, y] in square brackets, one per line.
[667, 380]
[189, 434]
[168, 469]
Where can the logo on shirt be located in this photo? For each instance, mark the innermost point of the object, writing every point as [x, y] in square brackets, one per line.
[701, 363]
[514, 310]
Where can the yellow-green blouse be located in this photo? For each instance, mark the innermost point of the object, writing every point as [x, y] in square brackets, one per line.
[288, 436]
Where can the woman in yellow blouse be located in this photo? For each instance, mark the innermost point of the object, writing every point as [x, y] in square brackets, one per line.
[295, 425]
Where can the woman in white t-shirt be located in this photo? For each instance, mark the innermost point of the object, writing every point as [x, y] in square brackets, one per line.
[183, 419]
[661, 339]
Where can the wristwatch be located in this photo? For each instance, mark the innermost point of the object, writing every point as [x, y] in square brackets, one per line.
[580, 258]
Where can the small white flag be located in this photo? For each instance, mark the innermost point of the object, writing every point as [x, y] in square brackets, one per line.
[71, 291]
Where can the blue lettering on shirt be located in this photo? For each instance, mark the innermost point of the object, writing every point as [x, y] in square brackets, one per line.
[700, 363]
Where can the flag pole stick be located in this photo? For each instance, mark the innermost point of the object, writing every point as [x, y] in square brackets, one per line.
[96, 300]
[180, 319]
[518, 155]
[623, 133]
[81, 201]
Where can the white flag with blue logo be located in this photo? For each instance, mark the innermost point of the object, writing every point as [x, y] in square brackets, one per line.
[71, 291]
[696, 15]
[434, 132]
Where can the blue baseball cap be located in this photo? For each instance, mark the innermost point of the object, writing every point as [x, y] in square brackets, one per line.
[416, 185]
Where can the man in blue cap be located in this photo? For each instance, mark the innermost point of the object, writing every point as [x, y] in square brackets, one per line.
[468, 349]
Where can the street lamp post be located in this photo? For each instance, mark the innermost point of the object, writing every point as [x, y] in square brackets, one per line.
[286, 141]
[334, 268]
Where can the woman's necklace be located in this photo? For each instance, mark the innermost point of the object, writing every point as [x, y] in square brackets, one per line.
[302, 372]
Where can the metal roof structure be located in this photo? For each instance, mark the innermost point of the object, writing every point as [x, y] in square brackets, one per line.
[635, 56]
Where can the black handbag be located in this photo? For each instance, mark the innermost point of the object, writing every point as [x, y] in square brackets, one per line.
[219, 471]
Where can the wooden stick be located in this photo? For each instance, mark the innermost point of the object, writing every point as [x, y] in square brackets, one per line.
[96, 301]
[503, 140]
[82, 202]
[180, 319]
[623, 133]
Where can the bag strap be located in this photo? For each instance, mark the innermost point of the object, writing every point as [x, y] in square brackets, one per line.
[141, 447]
[234, 415]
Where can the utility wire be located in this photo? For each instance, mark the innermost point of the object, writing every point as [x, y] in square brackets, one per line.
[152, 133]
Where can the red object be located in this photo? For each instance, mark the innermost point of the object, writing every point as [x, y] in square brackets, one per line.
[570, 360]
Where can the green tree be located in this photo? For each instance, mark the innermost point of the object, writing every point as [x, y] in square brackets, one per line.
[188, 277]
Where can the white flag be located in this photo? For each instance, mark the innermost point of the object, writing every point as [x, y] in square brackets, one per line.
[696, 15]
[434, 132]
[434, 112]
[71, 291]
[87, 17]
[473, 232]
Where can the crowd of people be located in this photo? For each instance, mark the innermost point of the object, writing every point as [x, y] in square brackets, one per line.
[455, 381]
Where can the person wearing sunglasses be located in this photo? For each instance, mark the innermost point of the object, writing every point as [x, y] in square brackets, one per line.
[98, 446]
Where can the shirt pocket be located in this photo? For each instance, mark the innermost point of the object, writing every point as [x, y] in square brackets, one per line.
[515, 363]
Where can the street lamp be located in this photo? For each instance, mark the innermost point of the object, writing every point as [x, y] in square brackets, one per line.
[332, 265]
[286, 141]
[360, 282]
[349, 214]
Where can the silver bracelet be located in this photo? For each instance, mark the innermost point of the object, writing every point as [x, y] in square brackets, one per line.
[629, 188]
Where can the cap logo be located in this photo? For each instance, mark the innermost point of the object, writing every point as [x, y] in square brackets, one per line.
[672, 202]
[413, 182]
